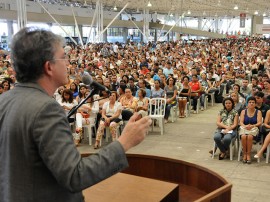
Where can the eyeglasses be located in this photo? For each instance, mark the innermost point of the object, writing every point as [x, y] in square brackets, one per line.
[66, 58]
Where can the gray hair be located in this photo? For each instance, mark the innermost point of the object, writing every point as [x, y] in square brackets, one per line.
[31, 48]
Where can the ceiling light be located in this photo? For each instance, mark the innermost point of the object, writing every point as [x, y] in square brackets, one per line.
[188, 12]
[235, 7]
[115, 8]
[256, 13]
[149, 4]
[264, 14]
[171, 15]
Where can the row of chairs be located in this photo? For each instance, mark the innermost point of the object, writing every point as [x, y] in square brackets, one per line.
[236, 145]
[156, 112]
[174, 109]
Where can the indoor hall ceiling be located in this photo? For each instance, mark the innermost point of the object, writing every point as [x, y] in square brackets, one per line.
[203, 8]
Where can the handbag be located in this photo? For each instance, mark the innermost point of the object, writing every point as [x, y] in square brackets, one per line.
[85, 115]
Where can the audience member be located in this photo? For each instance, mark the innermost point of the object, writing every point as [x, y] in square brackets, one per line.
[170, 95]
[86, 114]
[142, 104]
[128, 102]
[184, 97]
[195, 92]
[227, 123]
[250, 121]
[110, 117]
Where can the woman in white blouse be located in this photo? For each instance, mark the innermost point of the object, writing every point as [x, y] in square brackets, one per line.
[111, 116]
[67, 102]
[86, 114]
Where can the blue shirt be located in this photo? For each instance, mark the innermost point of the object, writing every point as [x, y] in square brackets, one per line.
[157, 93]
[148, 93]
[167, 71]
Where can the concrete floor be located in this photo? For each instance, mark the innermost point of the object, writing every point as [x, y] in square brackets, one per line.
[190, 139]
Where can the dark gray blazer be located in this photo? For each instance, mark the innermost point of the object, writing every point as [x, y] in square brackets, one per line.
[38, 159]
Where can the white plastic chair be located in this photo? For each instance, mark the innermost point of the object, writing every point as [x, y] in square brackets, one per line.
[188, 108]
[89, 127]
[233, 147]
[173, 112]
[108, 134]
[212, 98]
[157, 112]
[240, 148]
[198, 104]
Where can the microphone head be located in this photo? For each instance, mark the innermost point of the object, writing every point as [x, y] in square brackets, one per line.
[87, 79]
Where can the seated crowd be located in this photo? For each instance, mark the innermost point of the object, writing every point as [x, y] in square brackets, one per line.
[182, 73]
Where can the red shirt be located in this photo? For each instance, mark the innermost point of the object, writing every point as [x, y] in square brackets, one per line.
[144, 71]
[195, 86]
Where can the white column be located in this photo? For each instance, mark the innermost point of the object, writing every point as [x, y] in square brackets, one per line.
[99, 7]
[216, 25]
[112, 21]
[91, 35]
[21, 14]
[146, 31]
[199, 23]
[10, 30]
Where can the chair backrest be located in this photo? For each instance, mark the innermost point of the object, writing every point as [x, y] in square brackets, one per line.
[157, 106]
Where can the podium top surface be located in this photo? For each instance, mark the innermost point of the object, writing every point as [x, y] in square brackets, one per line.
[123, 187]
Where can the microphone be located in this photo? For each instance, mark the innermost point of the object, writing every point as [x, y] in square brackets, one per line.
[88, 80]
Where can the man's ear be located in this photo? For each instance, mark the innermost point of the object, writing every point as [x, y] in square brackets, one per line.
[48, 68]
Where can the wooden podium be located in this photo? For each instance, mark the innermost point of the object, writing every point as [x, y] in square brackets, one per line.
[125, 187]
[147, 177]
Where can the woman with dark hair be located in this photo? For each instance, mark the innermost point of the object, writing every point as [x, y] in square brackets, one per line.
[67, 102]
[149, 79]
[128, 102]
[6, 85]
[74, 89]
[170, 92]
[195, 91]
[206, 87]
[236, 89]
[111, 116]
[136, 77]
[184, 96]
[157, 92]
[250, 121]
[125, 78]
[142, 104]
[227, 122]
[86, 114]
[121, 91]
[81, 94]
